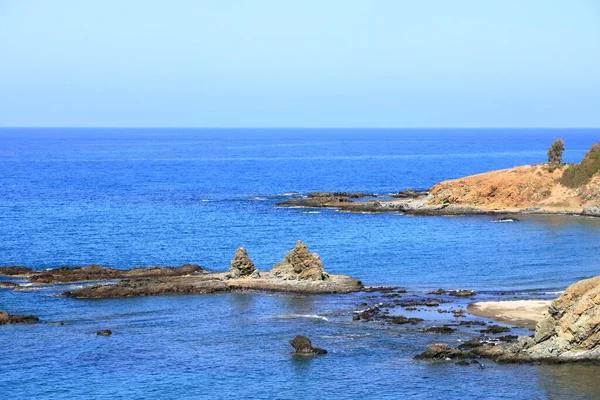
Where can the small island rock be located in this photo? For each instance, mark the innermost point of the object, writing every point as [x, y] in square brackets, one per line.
[303, 346]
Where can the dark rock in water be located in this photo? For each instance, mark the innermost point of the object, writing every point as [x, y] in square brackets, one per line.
[401, 319]
[495, 329]
[440, 351]
[508, 338]
[242, 266]
[106, 332]
[444, 330]
[506, 219]
[459, 313]
[300, 264]
[462, 293]
[438, 292]
[472, 323]
[9, 285]
[15, 270]
[409, 194]
[466, 363]
[303, 346]
[99, 273]
[151, 287]
[6, 318]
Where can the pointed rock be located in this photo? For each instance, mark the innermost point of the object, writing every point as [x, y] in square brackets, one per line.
[300, 264]
[242, 266]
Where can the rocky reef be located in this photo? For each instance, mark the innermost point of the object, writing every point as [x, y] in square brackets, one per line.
[6, 318]
[95, 273]
[299, 272]
[569, 333]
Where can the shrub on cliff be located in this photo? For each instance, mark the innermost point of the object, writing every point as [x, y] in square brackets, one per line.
[555, 152]
[577, 175]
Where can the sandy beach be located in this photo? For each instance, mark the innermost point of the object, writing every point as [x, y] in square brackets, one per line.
[521, 313]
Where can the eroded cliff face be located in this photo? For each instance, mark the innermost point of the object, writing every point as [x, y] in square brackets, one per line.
[572, 328]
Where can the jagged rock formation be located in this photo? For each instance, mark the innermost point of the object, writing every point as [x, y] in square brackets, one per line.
[570, 333]
[242, 266]
[304, 347]
[300, 264]
[6, 318]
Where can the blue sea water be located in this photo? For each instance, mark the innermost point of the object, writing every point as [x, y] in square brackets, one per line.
[143, 197]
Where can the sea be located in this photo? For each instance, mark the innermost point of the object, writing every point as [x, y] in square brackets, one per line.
[147, 197]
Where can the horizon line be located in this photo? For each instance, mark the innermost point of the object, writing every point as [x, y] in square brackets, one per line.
[303, 128]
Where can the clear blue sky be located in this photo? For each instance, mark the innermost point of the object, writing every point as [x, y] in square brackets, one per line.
[304, 63]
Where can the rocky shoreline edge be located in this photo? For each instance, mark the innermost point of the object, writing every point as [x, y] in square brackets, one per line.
[418, 203]
[568, 333]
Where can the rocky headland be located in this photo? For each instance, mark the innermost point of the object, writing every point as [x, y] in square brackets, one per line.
[299, 272]
[570, 332]
[534, 189]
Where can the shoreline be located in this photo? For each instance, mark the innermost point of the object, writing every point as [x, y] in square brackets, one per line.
[519, 313]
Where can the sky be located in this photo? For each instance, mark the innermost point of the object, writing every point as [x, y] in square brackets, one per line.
[300, 63]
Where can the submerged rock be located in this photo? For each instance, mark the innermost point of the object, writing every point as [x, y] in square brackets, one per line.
[303, 346]
[106, 332]
[242, 266]
[9, 285]
[300, 264]
[6, 318]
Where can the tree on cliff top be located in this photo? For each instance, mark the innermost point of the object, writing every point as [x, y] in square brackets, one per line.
[556, 151]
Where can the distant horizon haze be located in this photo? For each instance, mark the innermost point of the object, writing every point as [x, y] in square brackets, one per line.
[300, 64]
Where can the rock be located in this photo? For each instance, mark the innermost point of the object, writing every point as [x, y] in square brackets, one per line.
[444, 330]
[9, 285]
[304, 347]
[151, 287]
[462, 293]
[99, 273]
[242, 266]
[106, 332]
[440, 351]
[438, 292]
[506, 219]
[6, 318]
[495, 329]
[300, 264]
[15, 270]
[570, 332]
[401, 319]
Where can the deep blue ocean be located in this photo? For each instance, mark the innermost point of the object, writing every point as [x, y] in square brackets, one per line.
[144, 197]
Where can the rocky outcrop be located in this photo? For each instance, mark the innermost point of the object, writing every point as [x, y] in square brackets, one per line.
[106, 332]
[6, 318]
[152, 287]
[570, 333]
[15, 270]
[300, 264]
[8, 285]
[97, 273]
[304, 347]
[299, 272]
[242, 266]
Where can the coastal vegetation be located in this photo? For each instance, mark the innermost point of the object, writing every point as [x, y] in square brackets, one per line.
[555, 153]
[577, 175]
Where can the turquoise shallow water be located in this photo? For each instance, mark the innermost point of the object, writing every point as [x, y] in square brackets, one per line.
[164, 197]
